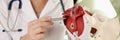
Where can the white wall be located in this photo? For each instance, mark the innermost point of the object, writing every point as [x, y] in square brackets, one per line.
[102, 5]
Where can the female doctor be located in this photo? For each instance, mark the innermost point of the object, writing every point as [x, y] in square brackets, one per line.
[31, 19]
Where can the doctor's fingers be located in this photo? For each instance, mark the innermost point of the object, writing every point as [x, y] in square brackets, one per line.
[38, 33]
[44, 19]
[40, 36]
[40, 30]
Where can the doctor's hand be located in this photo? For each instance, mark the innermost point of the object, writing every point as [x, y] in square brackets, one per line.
[37, 29]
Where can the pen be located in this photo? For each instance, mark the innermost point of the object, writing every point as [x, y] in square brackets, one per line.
[57, 19]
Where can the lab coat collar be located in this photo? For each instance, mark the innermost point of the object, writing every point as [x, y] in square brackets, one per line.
[29, 11]
[50, 6]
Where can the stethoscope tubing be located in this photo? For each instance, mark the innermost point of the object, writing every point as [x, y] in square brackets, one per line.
[9, 12]
[12, 1]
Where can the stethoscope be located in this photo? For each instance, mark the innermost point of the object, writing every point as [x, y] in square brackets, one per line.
[8, 18]
[9, 13]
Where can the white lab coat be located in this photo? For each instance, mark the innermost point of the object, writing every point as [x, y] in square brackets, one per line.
[53, 8]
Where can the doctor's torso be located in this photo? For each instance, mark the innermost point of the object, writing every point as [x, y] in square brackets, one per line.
[26, 14]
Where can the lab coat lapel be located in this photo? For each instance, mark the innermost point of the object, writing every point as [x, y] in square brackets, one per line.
[3, 14]
[49, 9]
[27, 15]
[28, 10]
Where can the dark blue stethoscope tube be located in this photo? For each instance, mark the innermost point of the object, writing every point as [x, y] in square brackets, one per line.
[12, 1]
[62, 4]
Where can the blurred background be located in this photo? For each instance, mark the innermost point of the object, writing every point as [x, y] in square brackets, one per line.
[116, 5]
